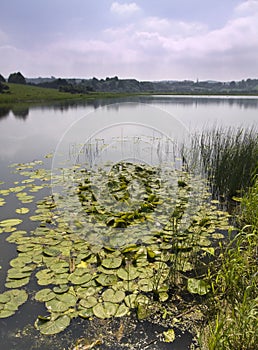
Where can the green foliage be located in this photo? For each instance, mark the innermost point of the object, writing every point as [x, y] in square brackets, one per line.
[16, 78]
[234, 280]
[249, 206]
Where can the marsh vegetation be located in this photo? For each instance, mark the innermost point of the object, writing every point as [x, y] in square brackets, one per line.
[130, 240]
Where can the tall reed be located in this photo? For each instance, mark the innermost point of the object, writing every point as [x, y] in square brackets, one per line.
[228, 157]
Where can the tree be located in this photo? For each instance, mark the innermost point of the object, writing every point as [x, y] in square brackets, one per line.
[16, 78]
[2, 79]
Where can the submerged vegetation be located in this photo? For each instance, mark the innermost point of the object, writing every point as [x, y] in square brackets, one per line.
[134, 240]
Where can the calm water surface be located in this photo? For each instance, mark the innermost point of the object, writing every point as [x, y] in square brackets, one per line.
[29, 134]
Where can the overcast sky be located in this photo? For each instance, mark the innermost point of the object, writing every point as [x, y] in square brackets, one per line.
[142, 39]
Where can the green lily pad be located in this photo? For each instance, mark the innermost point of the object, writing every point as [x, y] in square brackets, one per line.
[75, 279]
[88, 302]
[122, 310]
[85, 313]
[112, 263]
[22, 210]
[45, 295]
[4, 313]
[105, 310]
[61, 289]
[10, 302]
[130, 300]
[146, 285]
[17, 283]
[106, 280]
[196, 286]
[10, 222]
[113, 296]
[53, 326]
[129, 273]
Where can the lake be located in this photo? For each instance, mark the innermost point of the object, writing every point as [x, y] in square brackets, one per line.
[148, 130]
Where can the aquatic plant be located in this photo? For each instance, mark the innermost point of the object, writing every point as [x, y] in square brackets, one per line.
[104, 251]
[228, 157]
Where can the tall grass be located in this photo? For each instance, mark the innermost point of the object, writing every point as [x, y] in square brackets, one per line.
[234, 282]
[228, 157]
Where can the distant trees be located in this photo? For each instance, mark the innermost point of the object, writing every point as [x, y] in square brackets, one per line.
[2, 79]
[16, 78]
[3, 86]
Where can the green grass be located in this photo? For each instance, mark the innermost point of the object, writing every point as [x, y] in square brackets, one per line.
[33, 94]
[233, 308]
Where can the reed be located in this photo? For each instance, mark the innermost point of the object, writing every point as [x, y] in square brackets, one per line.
[228, 157]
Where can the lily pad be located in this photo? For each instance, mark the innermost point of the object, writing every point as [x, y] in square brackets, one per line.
[53, 326]
[10, 222]
[45, 295]
[75, 279]
[128, 273]
[22, 210]
[112, 263]
[88, 302]
[17, 283]
[106, 280]
[113, 296]
[105, 310]
[196, 286]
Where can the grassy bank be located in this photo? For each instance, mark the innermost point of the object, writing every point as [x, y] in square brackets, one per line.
[234, 280]
[33, 95]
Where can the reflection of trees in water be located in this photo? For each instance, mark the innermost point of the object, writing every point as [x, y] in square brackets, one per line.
[4, 112]
[20, 112]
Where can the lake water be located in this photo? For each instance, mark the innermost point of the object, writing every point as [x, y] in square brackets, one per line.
[124, 129]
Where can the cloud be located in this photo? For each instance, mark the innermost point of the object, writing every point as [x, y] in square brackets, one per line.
[124, 9]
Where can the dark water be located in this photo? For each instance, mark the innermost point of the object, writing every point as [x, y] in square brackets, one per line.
[29, 134]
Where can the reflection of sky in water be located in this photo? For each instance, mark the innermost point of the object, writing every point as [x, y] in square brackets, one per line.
[38, 134]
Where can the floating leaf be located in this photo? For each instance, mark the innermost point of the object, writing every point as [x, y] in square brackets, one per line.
[75, 279]
[196, 286]
[105, 310]
[61, 289]
[122, 310]
[129, 273]
[106, 280]
[17, 283]
[22, 210]
[112, 263]
[53, 326]
[10, 222]
[45, 295]
[88, 302]
[86, 313]
[113, 296]
[10, 302]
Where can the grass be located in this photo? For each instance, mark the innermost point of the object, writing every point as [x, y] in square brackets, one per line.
[33, 94]
[228, 157]
[234, 281]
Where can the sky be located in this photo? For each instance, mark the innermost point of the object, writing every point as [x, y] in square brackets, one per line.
[141, 39]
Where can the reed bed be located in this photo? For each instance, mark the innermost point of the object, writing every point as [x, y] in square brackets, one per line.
[228, 157]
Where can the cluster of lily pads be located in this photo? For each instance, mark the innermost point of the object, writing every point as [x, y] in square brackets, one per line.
[108, 243]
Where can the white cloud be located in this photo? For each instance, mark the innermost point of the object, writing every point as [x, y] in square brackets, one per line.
[124, 9]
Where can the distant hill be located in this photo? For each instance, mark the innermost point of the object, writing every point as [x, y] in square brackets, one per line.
[114, 84]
